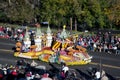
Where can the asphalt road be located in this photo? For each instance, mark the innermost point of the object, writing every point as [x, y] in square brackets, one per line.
[110, 62]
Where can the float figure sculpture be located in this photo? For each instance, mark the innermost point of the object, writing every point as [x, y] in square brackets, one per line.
[27, 42]
[38, 40]
[49, 37]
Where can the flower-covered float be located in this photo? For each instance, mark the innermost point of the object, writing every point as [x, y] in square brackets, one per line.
[49, 48]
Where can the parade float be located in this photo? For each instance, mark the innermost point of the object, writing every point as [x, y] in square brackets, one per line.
[49, 48]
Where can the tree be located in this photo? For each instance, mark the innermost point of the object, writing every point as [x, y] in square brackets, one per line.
[111, 9]
[89, 13]
[18, 11]
[53, 11]
[114, 13]
[95, 14]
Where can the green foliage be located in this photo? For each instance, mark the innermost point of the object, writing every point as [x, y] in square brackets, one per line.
[91, 13]
[20, 11]
[3, 16]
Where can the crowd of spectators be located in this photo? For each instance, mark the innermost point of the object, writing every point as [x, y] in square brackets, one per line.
[24, 70]
[101, 42]
[12, 33]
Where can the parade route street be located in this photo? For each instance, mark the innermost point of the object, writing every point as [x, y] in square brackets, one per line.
[110, 62]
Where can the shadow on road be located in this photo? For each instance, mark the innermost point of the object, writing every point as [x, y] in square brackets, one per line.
[111, 77]
[53, 70]
[83, 75]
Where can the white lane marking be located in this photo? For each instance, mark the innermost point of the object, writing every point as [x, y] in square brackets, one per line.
[5, 50]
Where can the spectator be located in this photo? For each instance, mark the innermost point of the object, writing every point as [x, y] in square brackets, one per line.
[97, 75]
[115, 49]
[94, 46]
[103, 76]
[110, 47]
[105, 48]
[118, 49]
[65, 70]
[29, 75]
[100, 48]
[62, 75]
[45, 77]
